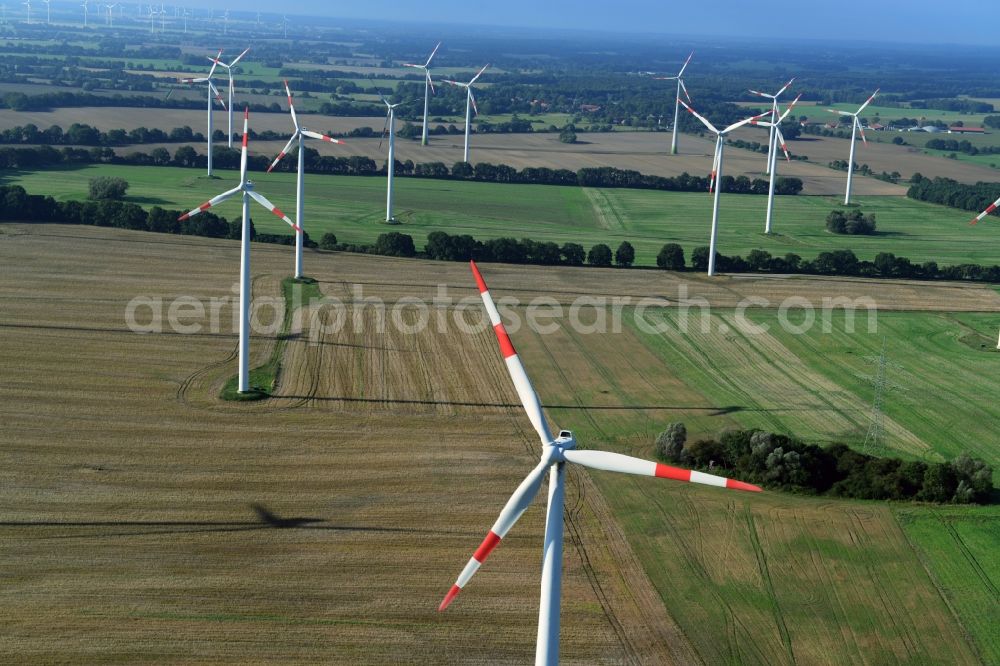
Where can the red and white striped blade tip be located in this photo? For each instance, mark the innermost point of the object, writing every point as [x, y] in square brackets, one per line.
[691, 476]
[448, 598]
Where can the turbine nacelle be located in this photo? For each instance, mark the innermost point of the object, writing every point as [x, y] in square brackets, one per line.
[565, 440]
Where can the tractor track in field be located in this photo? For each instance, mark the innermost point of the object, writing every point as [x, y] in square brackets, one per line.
[698, 570]
[765, 574]
[984, 578]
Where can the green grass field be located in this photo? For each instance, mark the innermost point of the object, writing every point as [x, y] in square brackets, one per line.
[354, 209]
[959, 547]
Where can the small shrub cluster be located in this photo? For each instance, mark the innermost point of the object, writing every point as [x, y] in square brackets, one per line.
[851, 223]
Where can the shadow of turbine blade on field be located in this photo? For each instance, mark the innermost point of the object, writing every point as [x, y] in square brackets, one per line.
[266, 519]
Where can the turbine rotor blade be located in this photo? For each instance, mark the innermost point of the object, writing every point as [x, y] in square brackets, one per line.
[684, 88]
[694, 113]
[284, 151]
[239, 57]
[781, 140]
[785, 87]
[291, 106]
[512, 511]
[862, 130]
[243, 149]
[478, 74]
[472, 98]
[430, 81]
[868, 101]
[215, 64]
[616, 462]
[218, 97]
[529, 399]
[259, 198]
[214, 201]
[431, 57]
[321, 137]
[989, 209]
[745, 121]
[684, 66]
[384, 127]
[790, 107]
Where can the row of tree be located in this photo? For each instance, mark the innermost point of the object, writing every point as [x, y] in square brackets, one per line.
[948, 192]
[964, 146]
[81, 134]
[226, 158]
[784, 463]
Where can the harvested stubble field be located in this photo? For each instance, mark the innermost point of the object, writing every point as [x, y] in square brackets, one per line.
[145, 519]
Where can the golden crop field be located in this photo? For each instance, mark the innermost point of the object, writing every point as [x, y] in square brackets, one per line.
[148, 520]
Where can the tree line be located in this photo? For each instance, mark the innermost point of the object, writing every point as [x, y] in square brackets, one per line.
[227, 158]
[948, 192]
[784, 463]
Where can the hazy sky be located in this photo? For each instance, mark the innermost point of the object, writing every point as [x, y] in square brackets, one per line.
[953, 22]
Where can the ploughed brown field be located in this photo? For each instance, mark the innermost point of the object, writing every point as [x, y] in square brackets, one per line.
[144, 519]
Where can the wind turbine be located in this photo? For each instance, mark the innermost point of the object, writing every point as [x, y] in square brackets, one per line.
[774, 118]
[677, 106]
[152, 19]
[209, 89]
[428, 87]
[556, 452]
[855, 126]
[773, 160]
[470, 105]
[247, 189]
[111, 14]
[390, 122]
[714, 183]
[300, 134]
[85, 9]
[225, 22]
[229, 71]
[27, 3]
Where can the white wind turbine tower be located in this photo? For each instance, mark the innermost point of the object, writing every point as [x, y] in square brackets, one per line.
[556, 452]
[152, 18]
[855, 126]
[774, 117]
[300, 134]
[428, 87]
[677, 106]
[716, 177]
[390, 122]
[210, 90]
[773, 161]
[470, 105]
[111, 14]
[225, 22]
[27, 3]
[85, 9]
[247, 189]
[229, 71]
